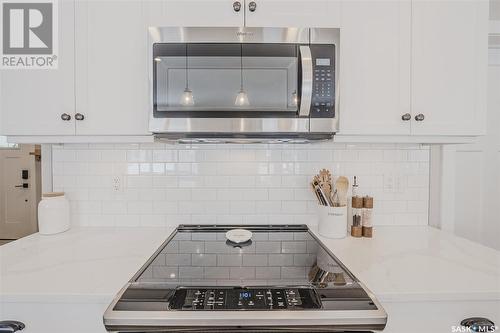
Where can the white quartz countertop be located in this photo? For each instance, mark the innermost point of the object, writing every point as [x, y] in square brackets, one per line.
[399, 264]
[420, 263]
[87, 264]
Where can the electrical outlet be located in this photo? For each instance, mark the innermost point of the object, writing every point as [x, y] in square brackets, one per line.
[389, 185]
[117, 183]
[400, 185]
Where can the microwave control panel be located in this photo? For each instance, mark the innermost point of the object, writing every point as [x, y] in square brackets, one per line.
[323, 87]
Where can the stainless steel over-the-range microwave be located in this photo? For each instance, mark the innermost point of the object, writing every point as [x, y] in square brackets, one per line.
[243, 83]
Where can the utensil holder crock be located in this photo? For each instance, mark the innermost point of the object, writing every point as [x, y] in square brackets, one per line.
[332, 221]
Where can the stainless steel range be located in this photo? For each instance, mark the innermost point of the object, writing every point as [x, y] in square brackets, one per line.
[280, 279]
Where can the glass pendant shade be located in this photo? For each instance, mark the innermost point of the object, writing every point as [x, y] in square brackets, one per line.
[187, 98]
[242, 99]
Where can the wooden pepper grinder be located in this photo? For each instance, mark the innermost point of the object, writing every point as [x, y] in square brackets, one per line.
[367, 217]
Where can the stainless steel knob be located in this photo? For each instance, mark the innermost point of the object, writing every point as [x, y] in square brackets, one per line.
[406, 117]
[252, 6]
[79, 116]
[478, 324]
[65, 117]
[419, 117]
[237, 6]
[11, 326]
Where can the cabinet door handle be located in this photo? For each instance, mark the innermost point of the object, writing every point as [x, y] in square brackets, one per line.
[236, 6]
[65, 117]
[79, 116]
[419, 117]
[406, 117]
[252, 6]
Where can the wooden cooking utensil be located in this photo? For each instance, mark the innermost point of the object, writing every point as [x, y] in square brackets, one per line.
[324, 197]
[325, 180]
[342, 186]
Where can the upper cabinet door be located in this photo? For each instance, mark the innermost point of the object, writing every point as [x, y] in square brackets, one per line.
[375, 67]
[449, 67]
[194, 13]
[111, 72]
[293, 13]
[35, 101]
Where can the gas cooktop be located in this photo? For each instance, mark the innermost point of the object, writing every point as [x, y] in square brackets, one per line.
[199, 281]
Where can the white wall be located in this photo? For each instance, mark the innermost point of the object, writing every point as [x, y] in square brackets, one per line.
[471, 177]
[174, 184]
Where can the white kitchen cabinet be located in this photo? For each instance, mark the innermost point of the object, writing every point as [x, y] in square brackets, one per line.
[201, 13]
[425, 60]
[293, 13]
[449, 66]
[32, 101]
[239, 13]
[375, 67]
[111, 68]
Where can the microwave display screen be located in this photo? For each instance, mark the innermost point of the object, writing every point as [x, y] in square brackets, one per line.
[323, 62]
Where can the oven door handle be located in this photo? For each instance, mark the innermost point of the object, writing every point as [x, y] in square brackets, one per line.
[307, 81]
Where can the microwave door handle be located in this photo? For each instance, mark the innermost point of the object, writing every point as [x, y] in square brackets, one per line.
[307, 81]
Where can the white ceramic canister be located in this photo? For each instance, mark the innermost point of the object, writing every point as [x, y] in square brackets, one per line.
[332, 221]
[53, 213]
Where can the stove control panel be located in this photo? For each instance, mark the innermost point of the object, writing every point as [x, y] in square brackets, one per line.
[194, 299]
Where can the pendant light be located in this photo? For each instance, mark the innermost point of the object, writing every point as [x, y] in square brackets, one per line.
[242, 97]
[187, 96]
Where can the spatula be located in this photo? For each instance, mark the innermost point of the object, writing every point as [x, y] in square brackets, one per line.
[342, 186]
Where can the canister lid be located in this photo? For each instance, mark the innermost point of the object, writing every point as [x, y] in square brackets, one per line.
[52, 194]
[367, 202]
[357, 202]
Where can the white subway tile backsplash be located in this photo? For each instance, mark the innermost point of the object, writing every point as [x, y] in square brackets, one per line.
[242, 207]
[114, 207]
[139, 207]
[163, 156]
[267, 181]
[281, 194]
[255, 194]
[87, 155]
[113, 155]
[59, 155]
[164, 184]
[268, 207]
[294, 207]
[165, 181]
[165, 207]
[242, 181]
